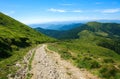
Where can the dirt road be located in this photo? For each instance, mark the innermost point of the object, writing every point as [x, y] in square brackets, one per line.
[49, 65]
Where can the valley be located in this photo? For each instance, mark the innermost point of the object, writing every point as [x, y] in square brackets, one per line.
[85, 51]
[94, 46]
[59, 39]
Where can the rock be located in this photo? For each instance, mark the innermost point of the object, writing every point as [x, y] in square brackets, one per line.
[18, 65]
[23, 67]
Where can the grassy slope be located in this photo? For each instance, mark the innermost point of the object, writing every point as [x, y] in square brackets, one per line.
[15, 35]
[15, 40]
[85, 54]
[95, 50]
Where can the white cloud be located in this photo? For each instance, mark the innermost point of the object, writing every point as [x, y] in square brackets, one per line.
[111, 10]
[107, 11]
[57, 10]
[58, 19]
[62, 10]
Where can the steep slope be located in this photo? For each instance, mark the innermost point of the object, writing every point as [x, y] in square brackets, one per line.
[14, 34]
[15, 40]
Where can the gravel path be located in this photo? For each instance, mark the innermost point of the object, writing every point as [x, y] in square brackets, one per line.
[49, 65]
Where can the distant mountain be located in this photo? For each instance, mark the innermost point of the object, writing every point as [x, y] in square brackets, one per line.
[51, 33]
[110, 29]
[109, 21]
[108, 34]
[70, 26]
[56, 26]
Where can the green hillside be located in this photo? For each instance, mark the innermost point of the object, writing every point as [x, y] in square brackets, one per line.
[102, 29]
[15, 40]
[48, 32]
[14, 34]
[59, 34]
[96, 48]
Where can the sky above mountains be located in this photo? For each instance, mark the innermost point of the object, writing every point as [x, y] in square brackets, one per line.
[40, 11]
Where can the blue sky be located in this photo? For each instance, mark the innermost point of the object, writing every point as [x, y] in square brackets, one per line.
[40, 11]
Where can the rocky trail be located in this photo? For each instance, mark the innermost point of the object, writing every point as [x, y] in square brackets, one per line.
[49, 65]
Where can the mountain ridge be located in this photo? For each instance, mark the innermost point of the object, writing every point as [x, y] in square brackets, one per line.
[112, 29]
[59, 26]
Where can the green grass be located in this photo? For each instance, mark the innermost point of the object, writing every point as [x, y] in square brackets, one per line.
[30, 62]
[86, 54]
[7, 66]
[16, 39]
[96, 48]
[97, 53]
[29, 75]
[15, 35]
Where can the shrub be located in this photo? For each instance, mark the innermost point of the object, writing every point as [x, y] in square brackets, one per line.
[94, 64]
[66, 55]
[108, 72]
[108, 60]
[88, 63]
[117, 76]
[14, 47]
